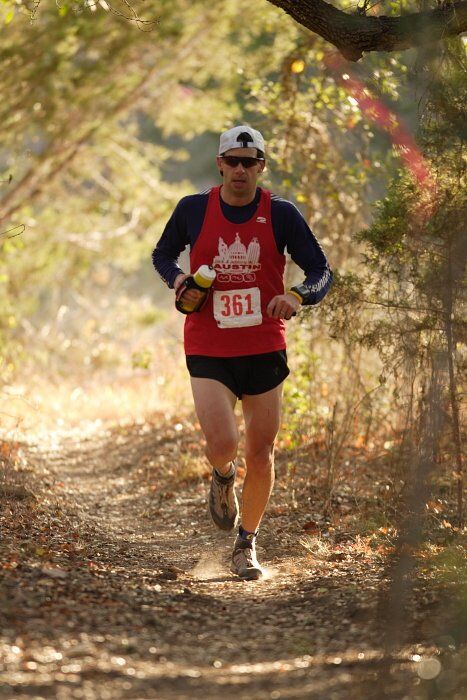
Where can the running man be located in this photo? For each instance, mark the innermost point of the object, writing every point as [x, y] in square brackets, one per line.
[235, 345]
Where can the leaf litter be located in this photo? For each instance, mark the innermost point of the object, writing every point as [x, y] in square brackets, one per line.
[114, 584]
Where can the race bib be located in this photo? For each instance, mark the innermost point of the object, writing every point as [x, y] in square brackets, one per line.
[237, 308]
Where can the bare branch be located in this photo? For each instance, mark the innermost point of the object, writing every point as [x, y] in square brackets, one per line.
[61, 154]
[93, 239]
[18, 229]
[354, 34]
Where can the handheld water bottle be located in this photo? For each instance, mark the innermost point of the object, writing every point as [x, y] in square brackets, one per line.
[201, 280]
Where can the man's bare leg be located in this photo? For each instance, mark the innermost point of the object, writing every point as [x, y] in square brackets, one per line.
[214, 404]
[262, 414]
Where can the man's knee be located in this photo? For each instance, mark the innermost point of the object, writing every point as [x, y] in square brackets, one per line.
[221, 448]
[260, 460]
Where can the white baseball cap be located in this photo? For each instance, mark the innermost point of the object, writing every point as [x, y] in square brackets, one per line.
[242, 136]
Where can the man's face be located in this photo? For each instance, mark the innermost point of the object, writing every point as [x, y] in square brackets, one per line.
[239, 179]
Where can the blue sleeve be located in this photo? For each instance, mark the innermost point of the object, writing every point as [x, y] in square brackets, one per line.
[294, 234]
[173, 241]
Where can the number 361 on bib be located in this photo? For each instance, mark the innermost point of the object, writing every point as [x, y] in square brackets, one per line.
[237, 308]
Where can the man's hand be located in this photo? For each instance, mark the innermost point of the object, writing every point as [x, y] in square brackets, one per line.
[178, 280]
[283, 306]
[190, 294]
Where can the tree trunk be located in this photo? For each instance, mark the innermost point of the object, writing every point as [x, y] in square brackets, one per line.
[456, 432]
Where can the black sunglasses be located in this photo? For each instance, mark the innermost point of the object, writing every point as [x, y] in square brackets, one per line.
[247, 162]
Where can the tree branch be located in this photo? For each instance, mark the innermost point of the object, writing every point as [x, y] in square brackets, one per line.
[354, 34]
[63, 151]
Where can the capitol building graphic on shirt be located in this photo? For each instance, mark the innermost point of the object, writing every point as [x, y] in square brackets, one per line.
[236, 263]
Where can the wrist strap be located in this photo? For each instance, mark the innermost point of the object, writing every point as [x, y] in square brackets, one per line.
[181, 288]
[295, 294]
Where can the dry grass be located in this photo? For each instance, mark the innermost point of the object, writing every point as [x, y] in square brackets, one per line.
[95, 400]
[13, 477]
[319, 548]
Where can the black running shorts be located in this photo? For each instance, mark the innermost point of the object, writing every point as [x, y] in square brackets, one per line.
[248, 374]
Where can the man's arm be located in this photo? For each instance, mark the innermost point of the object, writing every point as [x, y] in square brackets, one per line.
[294, 234]
[173, 241]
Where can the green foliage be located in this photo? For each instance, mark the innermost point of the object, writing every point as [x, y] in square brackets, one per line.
[390, 226]
[302, 413]
[407, 297]
[323, 153]
[78, 173]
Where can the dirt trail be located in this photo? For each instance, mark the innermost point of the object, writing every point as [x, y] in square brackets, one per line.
[129, 595]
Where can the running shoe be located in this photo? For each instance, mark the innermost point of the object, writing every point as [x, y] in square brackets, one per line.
[223, 504]
[244, 561]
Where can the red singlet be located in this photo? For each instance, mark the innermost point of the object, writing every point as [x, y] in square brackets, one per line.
[250, 270]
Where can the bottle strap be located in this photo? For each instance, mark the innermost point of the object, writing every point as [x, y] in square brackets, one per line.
[182, 288]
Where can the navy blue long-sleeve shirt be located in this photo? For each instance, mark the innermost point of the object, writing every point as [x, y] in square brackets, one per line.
[290, 229]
